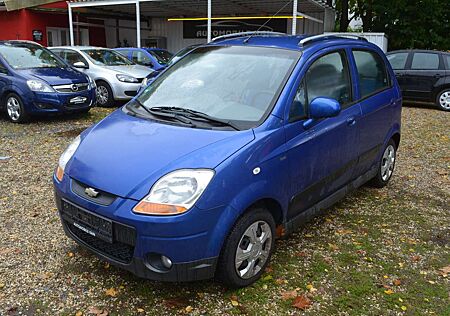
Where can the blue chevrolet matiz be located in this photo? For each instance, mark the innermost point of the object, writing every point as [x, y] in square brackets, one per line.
[34, 81]
[242, 138]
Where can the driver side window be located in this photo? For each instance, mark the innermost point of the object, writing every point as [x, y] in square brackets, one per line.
[329, 77]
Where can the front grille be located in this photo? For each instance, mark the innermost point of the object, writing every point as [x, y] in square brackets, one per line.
[118, 251]
[112, 239]
[71, 88]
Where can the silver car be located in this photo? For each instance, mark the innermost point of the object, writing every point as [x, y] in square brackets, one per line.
[116, 77]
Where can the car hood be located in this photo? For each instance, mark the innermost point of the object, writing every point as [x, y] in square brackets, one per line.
[136, 71]
[54, 76]
[126, 155]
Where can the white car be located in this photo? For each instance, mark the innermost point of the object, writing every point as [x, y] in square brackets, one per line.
[116, 77]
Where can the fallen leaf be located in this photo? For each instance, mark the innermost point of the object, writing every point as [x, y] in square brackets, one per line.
[403, 308]
[234, 303]
[281, 281]
[188, 309]
[389, 292]
[78, 313]
[311, 288]
[344, 232]
[94, 310]
[111, 292]
[301, 302]
[397, 282]
[176, 302]
[106, 266]
[269, 269]
[309, 236]
[140, 310]
[280, 231]
[444, 271]
[301, 254]
[286, 295]
[2, 285]
[333, 247]
[70, 254]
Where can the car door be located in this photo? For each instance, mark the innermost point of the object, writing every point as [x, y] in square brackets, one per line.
[3, 80]
[377, 98]
[322, 157]
[398, 61]
[426, 69]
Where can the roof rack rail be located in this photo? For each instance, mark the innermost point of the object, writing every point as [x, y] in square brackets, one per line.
[249, 33]
[316, 38]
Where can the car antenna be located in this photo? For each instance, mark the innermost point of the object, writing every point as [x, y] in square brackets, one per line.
[265, 23]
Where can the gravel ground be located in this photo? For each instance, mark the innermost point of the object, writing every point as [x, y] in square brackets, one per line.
[378, 252]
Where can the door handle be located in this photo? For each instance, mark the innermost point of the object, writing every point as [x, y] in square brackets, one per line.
[398, 74]
[437, 76]
[351, 121]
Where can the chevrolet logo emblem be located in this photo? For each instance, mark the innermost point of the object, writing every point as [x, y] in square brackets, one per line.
[91, 192]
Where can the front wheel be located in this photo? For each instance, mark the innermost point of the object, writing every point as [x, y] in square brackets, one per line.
[443, 100]
[385, 166]
[248, 249]
[15, 109]
[105, 96]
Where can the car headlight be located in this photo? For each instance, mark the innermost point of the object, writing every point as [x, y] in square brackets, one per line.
[65, 157]
[126, 78]
[175, 193]
[39, 86]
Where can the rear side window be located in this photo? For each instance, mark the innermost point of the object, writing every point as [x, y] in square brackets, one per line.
[329, 77]
[447, 58]
[372, 72]
[124, 52]
[398, 60]
[73, 57]
[425, 61]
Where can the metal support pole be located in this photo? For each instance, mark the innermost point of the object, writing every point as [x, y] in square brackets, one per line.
[294, 17]
[209, 21]
[69, 9]
[138, 24]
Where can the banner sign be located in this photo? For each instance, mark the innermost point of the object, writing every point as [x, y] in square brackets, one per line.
[199, 29]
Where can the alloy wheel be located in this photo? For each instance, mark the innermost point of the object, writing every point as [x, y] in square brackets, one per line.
[387, 163]
[444, 100]
[13, 108]
[102, 95]
[253, 249]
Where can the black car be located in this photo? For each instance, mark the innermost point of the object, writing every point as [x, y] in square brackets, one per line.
[423, 75]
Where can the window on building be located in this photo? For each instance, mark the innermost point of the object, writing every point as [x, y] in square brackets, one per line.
[372, 72]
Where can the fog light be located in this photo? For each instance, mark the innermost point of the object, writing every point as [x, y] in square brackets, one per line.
[166, 262]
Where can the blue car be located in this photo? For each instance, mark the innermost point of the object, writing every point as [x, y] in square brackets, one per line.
[242, 138]
[154, 58]
[34, 81]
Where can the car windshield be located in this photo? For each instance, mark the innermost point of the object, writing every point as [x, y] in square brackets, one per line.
[233, 83]
[27, 55]
[180, 54]
[107, 57]
[162, 56]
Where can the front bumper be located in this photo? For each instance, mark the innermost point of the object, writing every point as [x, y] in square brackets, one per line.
[125, 90]
[57, 102]
[186, 241]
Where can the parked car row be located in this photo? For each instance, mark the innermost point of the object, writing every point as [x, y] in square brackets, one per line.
[35, 80]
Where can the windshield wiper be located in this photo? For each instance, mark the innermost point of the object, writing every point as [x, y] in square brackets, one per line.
[195, 115]
[164, 114]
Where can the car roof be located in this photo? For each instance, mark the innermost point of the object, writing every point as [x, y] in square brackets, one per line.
[3, 42]
[292, 42]
[137, 48]
[78, 47]
[416, 51]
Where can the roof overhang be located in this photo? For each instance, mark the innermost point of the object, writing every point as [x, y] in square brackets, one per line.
[21, 4]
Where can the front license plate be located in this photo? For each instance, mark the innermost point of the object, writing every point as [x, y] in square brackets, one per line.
[88, 222]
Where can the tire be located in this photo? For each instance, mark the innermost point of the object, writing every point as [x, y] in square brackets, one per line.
[105, 97]
[443, 100]
[14, 109]
[240, 273]
[386, 166]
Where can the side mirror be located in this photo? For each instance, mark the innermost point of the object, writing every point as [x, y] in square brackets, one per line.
[322, 107]
[80, 64]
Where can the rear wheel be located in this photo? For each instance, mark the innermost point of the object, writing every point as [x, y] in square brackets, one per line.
[385, 166]
[105, 95]
[15, 109]
[443, 100]
[248, 249]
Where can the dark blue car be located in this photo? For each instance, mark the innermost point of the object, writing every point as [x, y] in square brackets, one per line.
[242, 138]
[154, 58]
[35, 81]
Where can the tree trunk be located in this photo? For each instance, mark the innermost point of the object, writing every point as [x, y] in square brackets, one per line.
[343, 21]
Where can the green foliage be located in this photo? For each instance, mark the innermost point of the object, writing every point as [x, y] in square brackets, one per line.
[407, 23]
